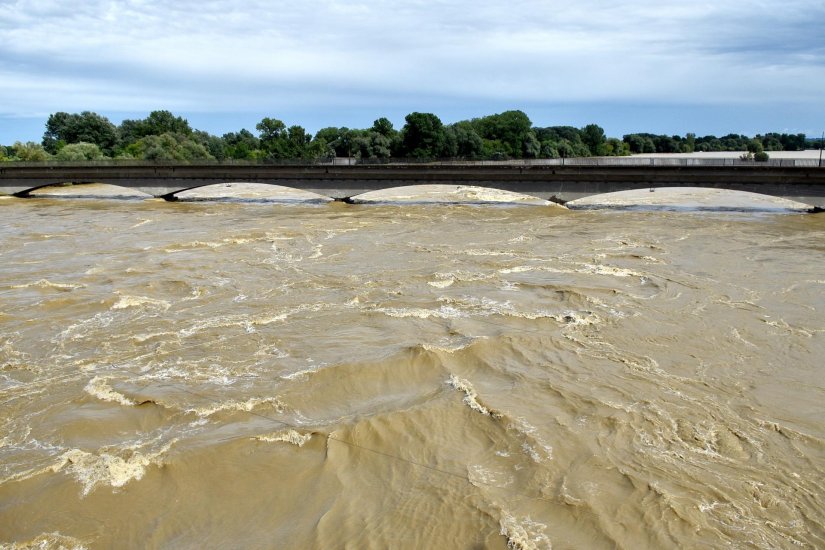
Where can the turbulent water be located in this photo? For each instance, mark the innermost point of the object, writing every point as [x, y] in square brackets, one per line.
[219, 375]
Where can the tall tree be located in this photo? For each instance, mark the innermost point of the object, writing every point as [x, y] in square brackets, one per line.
[65, 128]
[593, 136]
[509, 131]
[422, 136]
[384, 127]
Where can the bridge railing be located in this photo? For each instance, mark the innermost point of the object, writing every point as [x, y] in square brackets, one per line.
[344, 161]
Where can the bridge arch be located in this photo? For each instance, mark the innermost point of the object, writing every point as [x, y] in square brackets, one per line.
[247, 191]
[692, 198]
[84, 189]
[446, 193]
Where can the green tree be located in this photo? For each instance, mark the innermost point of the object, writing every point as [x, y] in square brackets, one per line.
[80, 151]
[468, 144]
[593, 137]
[270, 130]
[156, 124]
[298, 139]
[616, 148]
[242, 145]
[531, 148]
[384, 127]
[30, 152]
[509, 133]
[215, 145]
[164, 122]
[423, 136]
[690, 143]
[274, 138]
[88, 127]
[168, 146]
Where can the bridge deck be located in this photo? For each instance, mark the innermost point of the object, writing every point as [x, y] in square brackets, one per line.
[803, 184]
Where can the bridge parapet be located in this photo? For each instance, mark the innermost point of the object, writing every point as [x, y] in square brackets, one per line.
[800, 183]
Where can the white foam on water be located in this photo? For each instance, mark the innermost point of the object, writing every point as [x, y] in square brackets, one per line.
[470, 396]
[527, 269]
[523, 533]
[601, 269]
[12, 439]
[45, 283]
[487, 306]
[238, 406]
[578, 318]
[585, 268]
[140, 301]
[99, 387]
[444, 312]
[79, 330]
[479, 475]
[47, 541]
[485, 252]
[302, 374]
[141, 222]
[92, 470]
[535, 447]
[271, 352]
[452, 344]
[289, 436]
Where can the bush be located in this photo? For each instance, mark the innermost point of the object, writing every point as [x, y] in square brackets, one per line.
[80, 151]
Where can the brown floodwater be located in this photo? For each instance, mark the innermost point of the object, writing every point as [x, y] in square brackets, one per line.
[231, 375]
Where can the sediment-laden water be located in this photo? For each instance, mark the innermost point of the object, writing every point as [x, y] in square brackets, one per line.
[219, 375]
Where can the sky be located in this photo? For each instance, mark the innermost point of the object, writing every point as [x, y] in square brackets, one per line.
[708, 67]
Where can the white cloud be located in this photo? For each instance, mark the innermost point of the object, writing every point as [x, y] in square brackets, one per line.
[114, 55]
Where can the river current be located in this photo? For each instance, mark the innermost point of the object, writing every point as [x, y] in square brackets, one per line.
[230, 375]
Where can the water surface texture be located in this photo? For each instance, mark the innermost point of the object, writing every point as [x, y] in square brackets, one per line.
[230, 375]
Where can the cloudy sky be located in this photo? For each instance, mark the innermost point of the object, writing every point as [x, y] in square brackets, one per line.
[709, 67]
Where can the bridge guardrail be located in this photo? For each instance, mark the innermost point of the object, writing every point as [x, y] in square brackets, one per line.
[339, 161]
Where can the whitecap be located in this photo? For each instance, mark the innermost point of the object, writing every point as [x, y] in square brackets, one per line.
[289, 436]
[45, 283]
[99, 387]
[470, 396]
[140, 301]
[524, 533]
[239, 406]
[92, 469]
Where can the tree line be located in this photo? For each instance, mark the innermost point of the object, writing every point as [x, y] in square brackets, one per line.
[509, 135]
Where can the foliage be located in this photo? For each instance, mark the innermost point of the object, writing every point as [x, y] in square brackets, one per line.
[30, 152]
[80, 151]
[87, 127]
[168, 146]
[464, 142]
[423, 136]
[507, 135]
[242, 145]
[593, 137]
[156, 124]
[384, 127]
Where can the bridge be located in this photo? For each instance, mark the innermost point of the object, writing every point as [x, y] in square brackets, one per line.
[559, 183]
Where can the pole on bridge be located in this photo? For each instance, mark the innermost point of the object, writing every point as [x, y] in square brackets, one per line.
[821, 144]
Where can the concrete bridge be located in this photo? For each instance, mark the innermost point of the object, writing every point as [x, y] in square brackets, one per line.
[341, 182]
